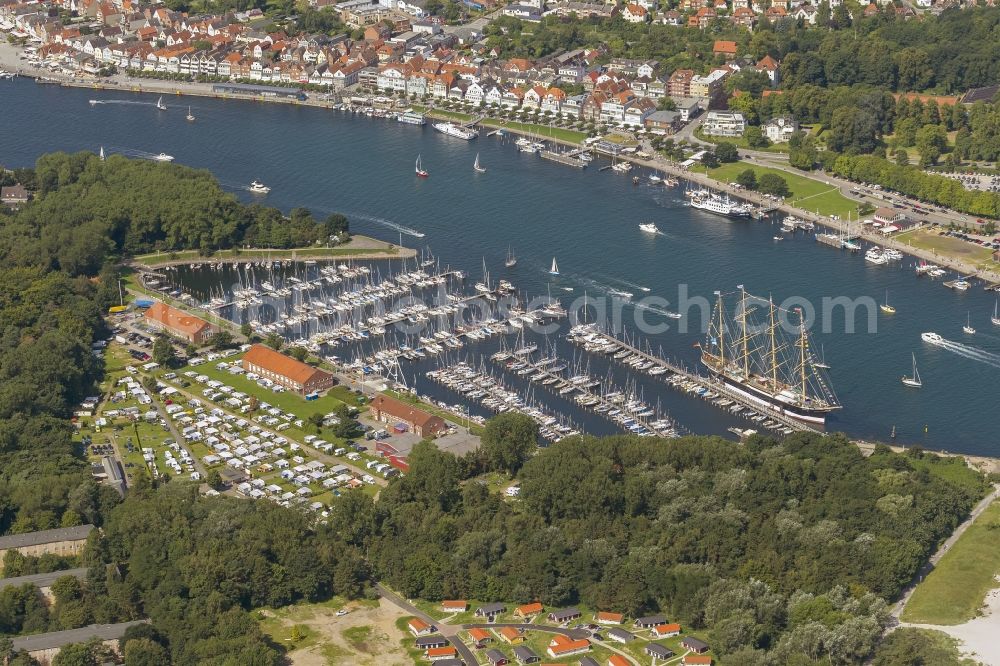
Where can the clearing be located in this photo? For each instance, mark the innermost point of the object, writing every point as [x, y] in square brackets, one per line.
[954, 591]
[935, 241]
[368, 634]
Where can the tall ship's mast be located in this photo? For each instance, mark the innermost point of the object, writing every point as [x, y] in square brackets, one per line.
[751, 353]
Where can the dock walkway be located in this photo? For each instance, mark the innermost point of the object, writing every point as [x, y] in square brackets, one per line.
[690, 382]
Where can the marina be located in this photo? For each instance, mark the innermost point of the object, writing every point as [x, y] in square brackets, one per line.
[575, 214]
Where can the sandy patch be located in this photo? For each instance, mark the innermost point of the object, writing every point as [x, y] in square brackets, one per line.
[978, 637]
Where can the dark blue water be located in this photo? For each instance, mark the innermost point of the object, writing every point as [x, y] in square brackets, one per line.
[330, 161]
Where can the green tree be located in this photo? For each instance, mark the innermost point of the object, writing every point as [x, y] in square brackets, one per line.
[755, 137]
[772, 183]
[747, 178]
[145, 652]
[709, 160]
[274, 341]
[727, 152]
[163, 351]
[508, 442]
[220, 340]
[666, 103]
[298, 353]
[931, 141]
[246, 330]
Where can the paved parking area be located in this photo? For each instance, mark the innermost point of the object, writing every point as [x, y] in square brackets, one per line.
[458, 443]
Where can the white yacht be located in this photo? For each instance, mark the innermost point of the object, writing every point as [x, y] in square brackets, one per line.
[933, 338]
[720, 205]
[163, 157]
[649, 227]
[451, 129]
[411, 117]
[258, 187]
[876, 256]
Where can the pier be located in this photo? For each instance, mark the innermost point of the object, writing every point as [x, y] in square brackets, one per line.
[717, 392]
[563, 158]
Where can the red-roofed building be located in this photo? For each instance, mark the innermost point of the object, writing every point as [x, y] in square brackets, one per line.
[561, 646]
[387, 409]
[529, 610]
[634, 13]
[697, 660]
[418, 627]
[724, 48]
[454, 606]
[436, 654]
[604, 617]
[480, 637]
[666, 630]
[618, 660]
[285, 370]
[179, 323]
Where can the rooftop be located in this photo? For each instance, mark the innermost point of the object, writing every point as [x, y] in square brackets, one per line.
[57, 639]
[27, 539]
[42, 579]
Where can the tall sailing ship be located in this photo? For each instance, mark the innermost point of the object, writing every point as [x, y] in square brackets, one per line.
[751, 353]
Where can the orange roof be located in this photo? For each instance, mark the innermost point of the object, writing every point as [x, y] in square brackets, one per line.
[667, 628]
[926, 99]
[446, 651]
[610, 617]
[698, 659]
[618, 660]
[454, 603]
[723, 46]
[510, 633]
[530, 608]
[636, 10]
[176, 320]
[401, 410]
[569, 646]
[767, 62]
[286, 366]
[560, 639]
[418, 625]
[479, 634]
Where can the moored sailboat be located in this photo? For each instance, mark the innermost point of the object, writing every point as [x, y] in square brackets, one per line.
[914, 379]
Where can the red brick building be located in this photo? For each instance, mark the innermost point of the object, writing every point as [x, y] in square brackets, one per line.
[179, 323]
[389, 410]
[285, 370]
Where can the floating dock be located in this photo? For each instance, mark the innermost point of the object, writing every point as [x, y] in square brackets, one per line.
[563, 158]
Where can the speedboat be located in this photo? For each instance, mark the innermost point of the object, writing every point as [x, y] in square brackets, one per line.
[258, 187]
[163, 157]
[931, 337]
[649, 227]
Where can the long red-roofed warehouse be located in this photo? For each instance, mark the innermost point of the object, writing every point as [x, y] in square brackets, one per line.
[285, 370]
[178, 323]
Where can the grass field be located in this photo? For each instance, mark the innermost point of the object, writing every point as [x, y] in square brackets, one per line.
[542, 131]
[194, 255]
[954, 591]
[812, 195]
[934, 241]
[740, 142]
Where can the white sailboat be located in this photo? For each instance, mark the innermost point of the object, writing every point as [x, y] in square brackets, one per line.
[420, 170]
[914, 379]
[160, 105]
[101, 154]
[995, 319]
[555, 267]
[968, 325]
[475, 165]
[821, 363]
[190, 117]
[511, 260]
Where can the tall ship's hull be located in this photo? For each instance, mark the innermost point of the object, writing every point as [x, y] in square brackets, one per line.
[769, 402]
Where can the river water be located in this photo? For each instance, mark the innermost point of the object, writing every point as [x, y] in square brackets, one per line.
[331, 161]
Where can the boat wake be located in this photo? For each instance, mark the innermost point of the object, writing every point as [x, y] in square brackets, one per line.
[133, 102]
[970, 352]
[627, 283]
[387, 223]
[657, 310]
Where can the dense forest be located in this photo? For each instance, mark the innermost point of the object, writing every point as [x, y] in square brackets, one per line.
[87, 210]
[783, 551]
[947, 54]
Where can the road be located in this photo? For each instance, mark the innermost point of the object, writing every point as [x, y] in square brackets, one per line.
[448, 631]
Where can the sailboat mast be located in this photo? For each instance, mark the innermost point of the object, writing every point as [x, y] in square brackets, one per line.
[722, 342]
[802, 353]
[743, 324]
[774, 347]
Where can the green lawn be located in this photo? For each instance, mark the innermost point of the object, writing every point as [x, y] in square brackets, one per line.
[953, 592]
[956, 248]
[740, 142]
[542, 131]
[160, 257]
[808, 193]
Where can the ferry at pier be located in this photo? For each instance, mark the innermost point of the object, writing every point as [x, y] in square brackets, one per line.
[757, 360]
[411, 117]
[720, 205]
[457, 131]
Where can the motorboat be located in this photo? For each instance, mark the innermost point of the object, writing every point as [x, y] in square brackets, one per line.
[649, 227]
[163, 157]
[931, 337]
[258, 187]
